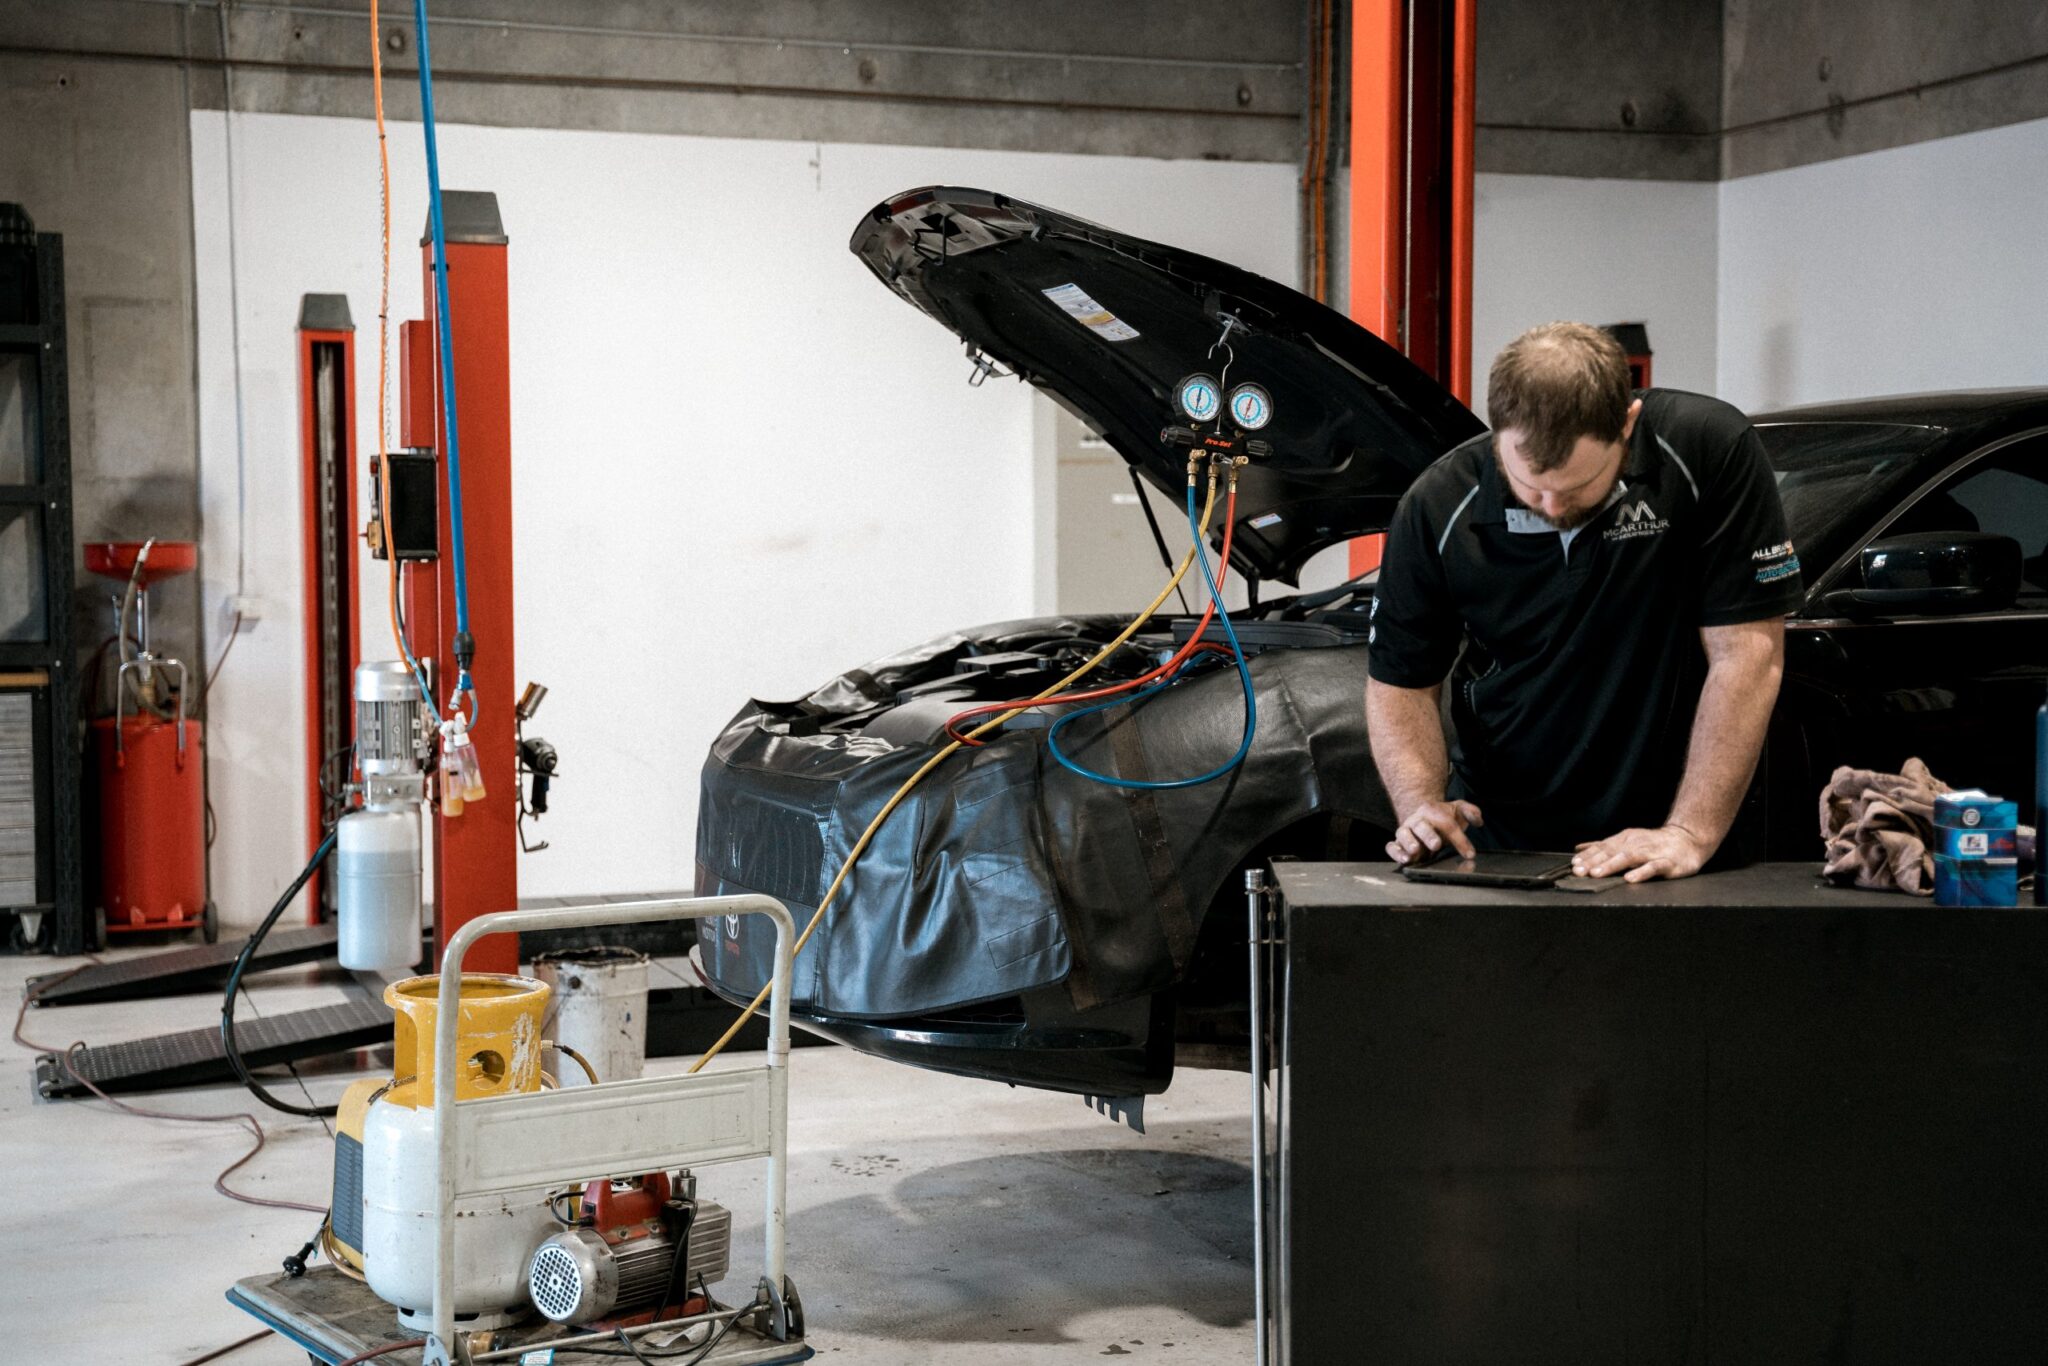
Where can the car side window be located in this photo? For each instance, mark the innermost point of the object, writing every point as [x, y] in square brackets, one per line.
[2005, 493]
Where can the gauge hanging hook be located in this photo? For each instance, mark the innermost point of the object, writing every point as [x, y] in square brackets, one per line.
[1223, 338]
[1229, 352]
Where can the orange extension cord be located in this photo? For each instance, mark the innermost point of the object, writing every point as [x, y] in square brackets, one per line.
[384, 338]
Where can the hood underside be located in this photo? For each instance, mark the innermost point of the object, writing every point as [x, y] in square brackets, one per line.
[1109, 324]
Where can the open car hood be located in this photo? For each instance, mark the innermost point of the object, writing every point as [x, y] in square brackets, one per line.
[1109, 324]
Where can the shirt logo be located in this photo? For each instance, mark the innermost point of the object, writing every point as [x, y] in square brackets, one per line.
[1775, 562]
[1634, 521]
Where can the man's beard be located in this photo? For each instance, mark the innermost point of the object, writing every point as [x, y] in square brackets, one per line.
[1571, 521]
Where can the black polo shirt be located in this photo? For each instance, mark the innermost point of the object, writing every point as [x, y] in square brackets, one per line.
[1575, 657]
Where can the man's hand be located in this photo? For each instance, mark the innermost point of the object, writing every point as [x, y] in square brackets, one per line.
[1432, 825]
[1670, 851]
[1408, 745]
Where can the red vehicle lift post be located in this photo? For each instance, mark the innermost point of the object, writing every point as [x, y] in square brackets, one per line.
[327, 515]
[1412, 116]
[475, 854]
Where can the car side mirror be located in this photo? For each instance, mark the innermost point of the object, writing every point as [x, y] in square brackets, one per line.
[1934, 573]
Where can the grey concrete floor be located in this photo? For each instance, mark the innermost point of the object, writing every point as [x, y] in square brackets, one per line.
[931, 1219]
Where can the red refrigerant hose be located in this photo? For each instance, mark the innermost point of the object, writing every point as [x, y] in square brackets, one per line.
[1195, 642]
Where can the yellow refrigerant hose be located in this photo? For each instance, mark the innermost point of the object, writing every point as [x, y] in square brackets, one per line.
[860, 845]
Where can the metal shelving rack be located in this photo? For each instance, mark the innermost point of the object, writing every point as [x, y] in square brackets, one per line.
[41, 892]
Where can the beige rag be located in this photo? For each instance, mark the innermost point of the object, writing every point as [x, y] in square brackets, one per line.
[1878, 828]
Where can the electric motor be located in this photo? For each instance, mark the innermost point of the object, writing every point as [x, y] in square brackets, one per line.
[579, 1276]
[390, 719]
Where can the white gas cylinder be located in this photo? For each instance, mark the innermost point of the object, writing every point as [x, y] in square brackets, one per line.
[494, 1236]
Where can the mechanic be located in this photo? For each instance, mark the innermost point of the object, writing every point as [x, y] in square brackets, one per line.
[1604, 580]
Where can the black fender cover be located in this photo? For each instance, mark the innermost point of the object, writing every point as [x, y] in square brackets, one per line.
[1002, 871]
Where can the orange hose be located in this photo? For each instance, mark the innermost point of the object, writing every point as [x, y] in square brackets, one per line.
[384, 337]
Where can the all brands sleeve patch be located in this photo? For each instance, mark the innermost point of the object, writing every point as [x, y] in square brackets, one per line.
[1775, 562]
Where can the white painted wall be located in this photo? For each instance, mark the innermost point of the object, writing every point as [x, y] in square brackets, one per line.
[1596, 251]
[1910, 269]
[741, 465]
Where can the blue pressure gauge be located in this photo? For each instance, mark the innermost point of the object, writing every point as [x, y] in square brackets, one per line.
[1251, 407]
[1200, 397]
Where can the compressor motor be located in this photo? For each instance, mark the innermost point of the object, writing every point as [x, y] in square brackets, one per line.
[635, 1255]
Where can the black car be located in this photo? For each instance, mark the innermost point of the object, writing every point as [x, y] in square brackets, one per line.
[1015, 921]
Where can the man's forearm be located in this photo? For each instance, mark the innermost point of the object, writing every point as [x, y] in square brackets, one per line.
[1745, 665]
[1407, 734]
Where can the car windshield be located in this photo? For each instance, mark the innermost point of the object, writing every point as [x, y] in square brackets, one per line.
[1836, 477]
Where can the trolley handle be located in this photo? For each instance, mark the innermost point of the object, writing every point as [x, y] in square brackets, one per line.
[446, 1019]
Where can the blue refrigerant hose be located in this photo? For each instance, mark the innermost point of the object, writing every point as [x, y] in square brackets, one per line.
[1244, 676]
[446, 329]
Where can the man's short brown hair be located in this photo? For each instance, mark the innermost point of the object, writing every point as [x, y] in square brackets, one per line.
[1555, 384]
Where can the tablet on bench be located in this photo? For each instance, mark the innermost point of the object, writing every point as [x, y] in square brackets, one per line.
[1494, 868]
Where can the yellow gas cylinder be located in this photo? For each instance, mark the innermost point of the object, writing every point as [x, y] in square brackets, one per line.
[497, 1041]
[498, 1052]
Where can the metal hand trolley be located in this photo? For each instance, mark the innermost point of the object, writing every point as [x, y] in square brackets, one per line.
[500, 1144]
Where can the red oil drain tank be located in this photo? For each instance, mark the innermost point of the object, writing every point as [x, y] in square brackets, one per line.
[152, 822]
[150, 759]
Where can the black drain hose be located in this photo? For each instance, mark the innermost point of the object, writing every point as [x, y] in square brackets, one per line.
[227, 1003]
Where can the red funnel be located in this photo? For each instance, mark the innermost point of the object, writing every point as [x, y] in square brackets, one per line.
[167, 559]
